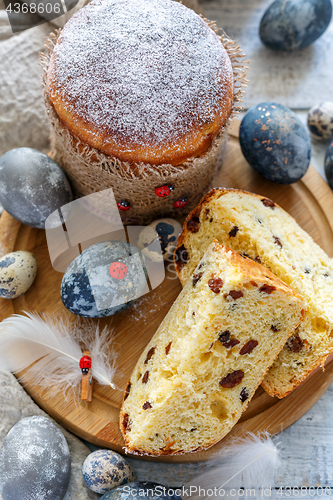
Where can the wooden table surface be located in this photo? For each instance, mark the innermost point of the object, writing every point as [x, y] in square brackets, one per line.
[307, 456]
[297, 79]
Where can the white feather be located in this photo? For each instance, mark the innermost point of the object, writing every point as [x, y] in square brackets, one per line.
[250, 463]
[103, 365]
[49, 354]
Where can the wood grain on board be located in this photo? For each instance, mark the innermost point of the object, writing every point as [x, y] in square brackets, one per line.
[310, 201]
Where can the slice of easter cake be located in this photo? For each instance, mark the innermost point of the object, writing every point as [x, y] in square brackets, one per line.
[258, 228]
[201, 368]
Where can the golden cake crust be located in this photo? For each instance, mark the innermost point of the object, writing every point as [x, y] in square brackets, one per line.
[156, 88]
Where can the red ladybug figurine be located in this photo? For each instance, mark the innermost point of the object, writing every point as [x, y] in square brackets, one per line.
[124, 205]
[118, 270]
[163, 191]
[181, 203]
[85, 364]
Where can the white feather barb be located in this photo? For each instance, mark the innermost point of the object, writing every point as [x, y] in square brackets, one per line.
[44, 348]
[250, 463]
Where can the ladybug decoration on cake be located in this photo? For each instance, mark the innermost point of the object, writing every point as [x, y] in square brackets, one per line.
[181, 203]
[85, 364]
[124, 205]
[118, 270]
[164, 191]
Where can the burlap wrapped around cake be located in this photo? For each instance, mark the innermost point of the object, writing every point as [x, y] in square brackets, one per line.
[143, 189]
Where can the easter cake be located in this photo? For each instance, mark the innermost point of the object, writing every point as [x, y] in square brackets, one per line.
[201, 368]
[260, 230]
[139, 93]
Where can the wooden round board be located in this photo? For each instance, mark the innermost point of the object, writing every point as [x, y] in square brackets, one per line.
[310, 201]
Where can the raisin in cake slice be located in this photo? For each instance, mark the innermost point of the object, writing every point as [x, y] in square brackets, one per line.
[259, 229]
[201, 368]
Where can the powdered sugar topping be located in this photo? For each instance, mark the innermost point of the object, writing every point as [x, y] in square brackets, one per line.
[148, 70]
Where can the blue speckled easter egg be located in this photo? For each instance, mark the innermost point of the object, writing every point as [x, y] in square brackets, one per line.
[32, 186]
[294, 24]
[142, 489]
[105, 469]
[275, 142]
[17, 273]
[35, 462]
[103, 280]
[329, 164]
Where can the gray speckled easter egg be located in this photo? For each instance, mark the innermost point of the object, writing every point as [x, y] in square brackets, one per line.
[32, 186]
[142, 489]
[103, 280]
[167, 230]
[275, 142]
[35, 461]
[105, 469]
[17, 273]
[320, 121]
[294, 24]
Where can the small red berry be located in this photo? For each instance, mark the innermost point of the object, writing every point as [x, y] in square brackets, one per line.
[118, 270]
[85, 364]
[123, 205]
[181, 203]
[163, 191]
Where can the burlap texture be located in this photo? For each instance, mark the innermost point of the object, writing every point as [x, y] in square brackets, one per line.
[90, 171]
